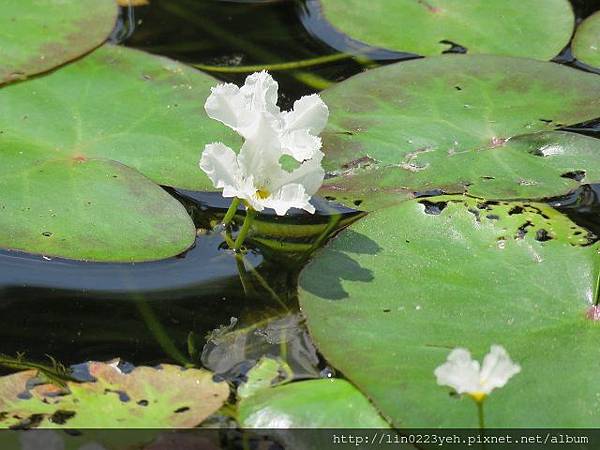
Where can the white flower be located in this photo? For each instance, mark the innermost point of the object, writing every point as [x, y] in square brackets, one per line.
[464, 375]
[256, 175]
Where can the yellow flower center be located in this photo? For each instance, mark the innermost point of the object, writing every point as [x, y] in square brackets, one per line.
[478, 396]
[262, 193]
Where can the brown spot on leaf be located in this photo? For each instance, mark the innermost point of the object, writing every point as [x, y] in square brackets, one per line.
[79, 158]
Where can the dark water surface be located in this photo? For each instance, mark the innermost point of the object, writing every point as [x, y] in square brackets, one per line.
[203, 307]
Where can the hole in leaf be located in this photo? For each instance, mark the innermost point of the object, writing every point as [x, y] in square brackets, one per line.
[475, 212]
[430, 193]
[31, 422]
[25, 395]
[433, 208]
[542, 235]
[122, 394]
[454, 47]
[577, 175]
[182, 409]
[522, 230]
[487, 205]
[362, 162]
[60, 417]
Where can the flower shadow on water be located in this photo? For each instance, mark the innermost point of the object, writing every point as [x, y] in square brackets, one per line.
[324, 276]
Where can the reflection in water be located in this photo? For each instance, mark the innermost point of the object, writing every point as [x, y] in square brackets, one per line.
[162, 311]
[231, 351]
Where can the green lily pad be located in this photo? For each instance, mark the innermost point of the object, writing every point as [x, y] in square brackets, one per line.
[64, 138]
[529, 28]
[457, 123]
[270, 402]
[325, 403]
[586, 43]
[402, 287]
[37, 36]
[96, 210]
[144, 111]
[164, 397]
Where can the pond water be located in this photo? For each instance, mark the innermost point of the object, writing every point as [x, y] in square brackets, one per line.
[203, 307]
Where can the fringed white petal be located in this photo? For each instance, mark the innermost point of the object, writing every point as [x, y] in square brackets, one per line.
[248, 192]
[289, 196]
[241, 108]
[220, 164]
[310, 112]
[497, 369]
[459, 372]
[226, 104]
[261, 152]
[300, 144]
[260, 93]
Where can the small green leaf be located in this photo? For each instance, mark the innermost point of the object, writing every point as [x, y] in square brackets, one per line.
[267, 373]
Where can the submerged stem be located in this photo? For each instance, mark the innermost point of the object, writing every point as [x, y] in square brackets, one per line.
[246, 283]
[231, 211]
[276, 66]
[250, 213]
[187, 13]
[159, 333]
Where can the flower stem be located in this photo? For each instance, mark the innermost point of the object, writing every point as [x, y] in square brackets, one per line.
[250, 213]
[231, 211]
[480, 414]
